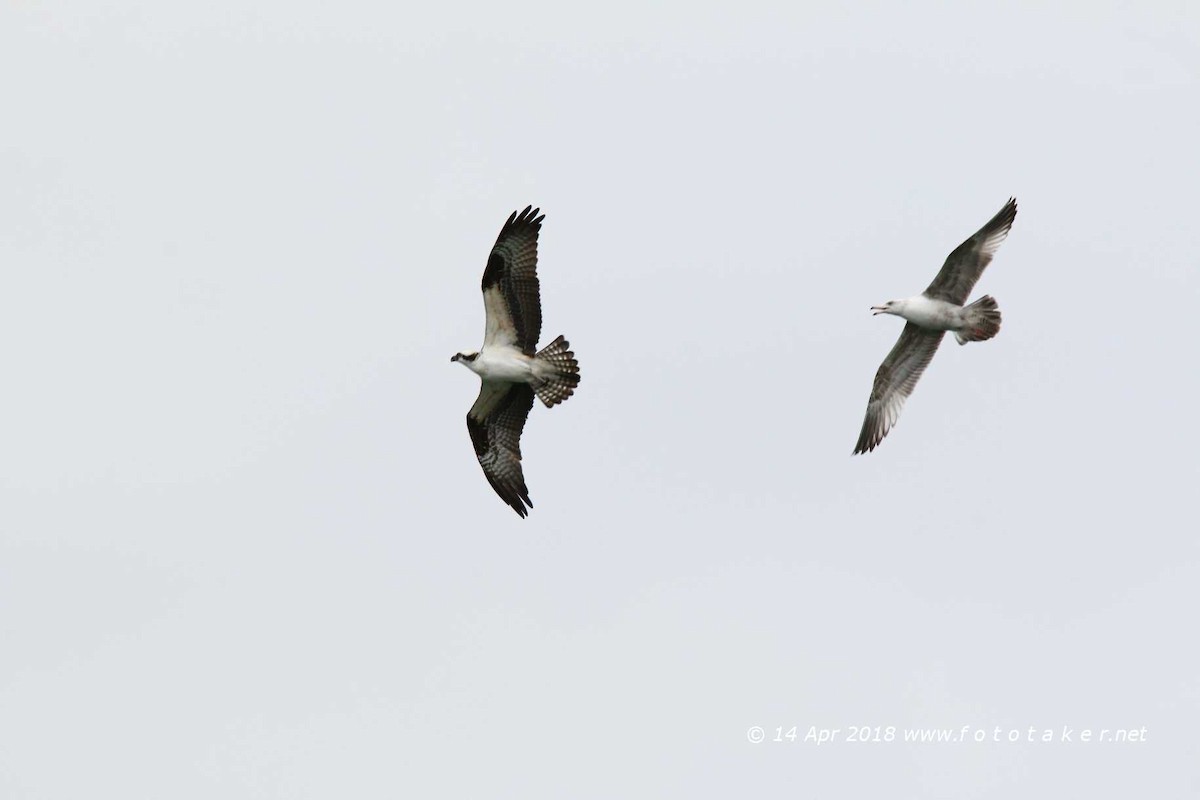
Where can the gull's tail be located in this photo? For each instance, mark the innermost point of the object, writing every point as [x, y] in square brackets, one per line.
[981, 321]
[560, 375]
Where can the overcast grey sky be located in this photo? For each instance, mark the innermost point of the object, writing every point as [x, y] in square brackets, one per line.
[245, 547]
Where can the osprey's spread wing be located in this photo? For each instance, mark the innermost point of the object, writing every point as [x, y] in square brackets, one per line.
[495, 423]
[964, 266]
[894, 382]
[510, 284]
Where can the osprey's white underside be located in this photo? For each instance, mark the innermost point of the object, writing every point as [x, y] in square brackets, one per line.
[499, 328]
[507, 364]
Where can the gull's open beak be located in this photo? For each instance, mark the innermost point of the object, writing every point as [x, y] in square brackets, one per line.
[878, 310]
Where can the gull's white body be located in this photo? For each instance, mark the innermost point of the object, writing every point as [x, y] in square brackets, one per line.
[929, 313]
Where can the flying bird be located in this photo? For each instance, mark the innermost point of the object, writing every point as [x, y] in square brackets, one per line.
[930, 314]
[510, 370]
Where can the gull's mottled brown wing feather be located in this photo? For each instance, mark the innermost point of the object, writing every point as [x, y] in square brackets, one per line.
[963, 267]
[895, 381]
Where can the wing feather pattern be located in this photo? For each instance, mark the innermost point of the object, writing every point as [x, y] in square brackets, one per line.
[964, 266]
[895, 381]
[511, 295]
[495, 423]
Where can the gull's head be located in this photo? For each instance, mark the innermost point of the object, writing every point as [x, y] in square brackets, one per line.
[466, 358]
[890, 307]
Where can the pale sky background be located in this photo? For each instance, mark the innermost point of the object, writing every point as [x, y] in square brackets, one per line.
[246, 550]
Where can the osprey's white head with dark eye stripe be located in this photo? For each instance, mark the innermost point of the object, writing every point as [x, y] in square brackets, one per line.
[510, 366]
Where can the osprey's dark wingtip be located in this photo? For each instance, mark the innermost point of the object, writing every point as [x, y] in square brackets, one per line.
[527, 217]
[520, 508]
[529, 214]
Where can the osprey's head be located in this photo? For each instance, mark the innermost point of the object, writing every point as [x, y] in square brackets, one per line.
[890, 307]
[466, 358]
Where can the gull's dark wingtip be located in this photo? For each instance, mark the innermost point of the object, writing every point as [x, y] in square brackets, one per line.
[1009, 212]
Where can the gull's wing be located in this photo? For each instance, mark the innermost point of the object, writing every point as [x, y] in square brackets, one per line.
[964, 266]
[510, 284]
[495, 423]
[895, 381]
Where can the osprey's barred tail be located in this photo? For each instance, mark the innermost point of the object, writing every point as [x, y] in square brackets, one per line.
[558, 382]
[982, 321]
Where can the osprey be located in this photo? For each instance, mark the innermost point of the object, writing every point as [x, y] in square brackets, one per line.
[508, 366]
[930, 314]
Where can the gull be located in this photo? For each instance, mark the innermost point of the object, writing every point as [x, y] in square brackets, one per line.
[930, 314]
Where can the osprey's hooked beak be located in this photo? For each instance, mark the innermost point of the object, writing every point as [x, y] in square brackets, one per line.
[455, 357]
